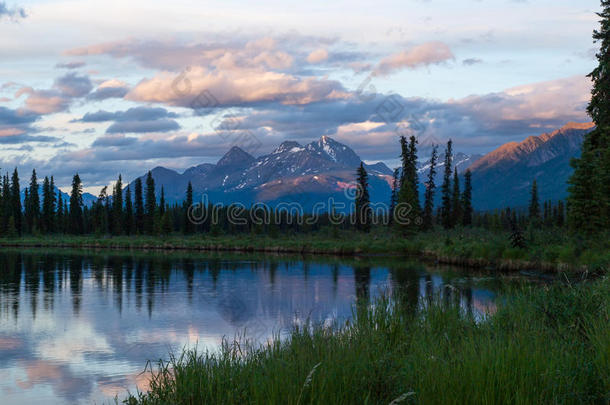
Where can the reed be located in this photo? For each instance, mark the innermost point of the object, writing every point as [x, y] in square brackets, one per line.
[543, 345]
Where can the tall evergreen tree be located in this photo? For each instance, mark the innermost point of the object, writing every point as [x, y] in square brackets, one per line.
[60, 217]
[446, 215]
[151, 205]
[117, 207]
[363, 204]
[101, 212]
[188, 203]
[7, 202]
[394, 196]
[26, 205]
[129, 217]
[48, 206]
[16, 211]
[409, 193]
[456, 200]
[33, 204]
[534, 207]
[467, 199]
[429, 194]
[162, 206]
[76, 223]
[139, 206]
[589, 186]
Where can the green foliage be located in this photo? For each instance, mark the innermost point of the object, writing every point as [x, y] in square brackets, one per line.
[467, 199]
[150, 205]
[546, 345]
[446, 214]
[76, 223]
[589, 200]
[363, 203]
[429, 193]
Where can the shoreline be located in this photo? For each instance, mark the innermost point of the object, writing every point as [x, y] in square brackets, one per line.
[243, 245]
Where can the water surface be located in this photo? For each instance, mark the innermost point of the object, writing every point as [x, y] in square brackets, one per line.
[78, 327]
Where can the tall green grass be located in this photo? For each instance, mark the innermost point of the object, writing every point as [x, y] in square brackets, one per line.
[543, 345]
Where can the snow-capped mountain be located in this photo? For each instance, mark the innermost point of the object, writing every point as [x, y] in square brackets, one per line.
[292, 172]
[324, 168]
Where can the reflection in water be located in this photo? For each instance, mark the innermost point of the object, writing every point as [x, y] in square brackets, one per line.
[80, 327]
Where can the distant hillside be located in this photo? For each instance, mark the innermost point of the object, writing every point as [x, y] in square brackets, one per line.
[504, 176]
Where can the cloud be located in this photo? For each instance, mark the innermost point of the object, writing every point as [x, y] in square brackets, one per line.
[162, 125]
[472, 61]
[73, 85]
[203, 88]
[58, 98]
[14, 13]
[16, 127]
[429, 53]
[109, 89]
[119, 140]
[43, 101]
[135, 120]
[219, 53]
[133, 114]
[317, 56]
[70, 65]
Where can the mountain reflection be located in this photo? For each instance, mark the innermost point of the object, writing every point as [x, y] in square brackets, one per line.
[75, 326]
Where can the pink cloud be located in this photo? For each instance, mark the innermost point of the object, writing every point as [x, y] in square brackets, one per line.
[429, 53]
[235, 88]
[317, 56]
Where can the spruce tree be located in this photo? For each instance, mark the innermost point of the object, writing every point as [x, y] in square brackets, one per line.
[26, 205]
[33, 208]
[409, 193]
[101, 212]
[188, 203]
[76, 223]
[534, 207]
[48, 206]
[467, 199]
[151, 205]
[363, 204]
[162, 206]
[60, 217]
[139, 206]
[7, 202]
[129, 217]
[117, 207]
[16, 212]
[456, 200]
[589, 187]
[446, 217]
[430, 187]
[394, 196]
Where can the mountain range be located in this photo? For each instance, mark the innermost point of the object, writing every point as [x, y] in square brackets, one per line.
[324, 168]
[306, 174]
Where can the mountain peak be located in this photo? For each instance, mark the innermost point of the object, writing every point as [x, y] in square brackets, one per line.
[577, 125]
[535, 150]
[288, 146]
[334, 151]
[235, 156]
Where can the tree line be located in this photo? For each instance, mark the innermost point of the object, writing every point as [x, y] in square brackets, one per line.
[124, 211]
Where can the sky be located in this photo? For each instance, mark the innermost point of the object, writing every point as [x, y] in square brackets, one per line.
[108, 87]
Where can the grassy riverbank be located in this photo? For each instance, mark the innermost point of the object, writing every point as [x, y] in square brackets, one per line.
[546, 345]
[546, 250]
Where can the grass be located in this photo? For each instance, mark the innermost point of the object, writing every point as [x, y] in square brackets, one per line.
[552, 250]
[549, 345]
